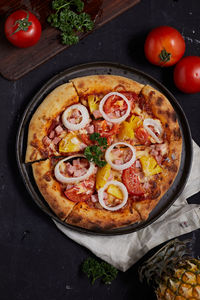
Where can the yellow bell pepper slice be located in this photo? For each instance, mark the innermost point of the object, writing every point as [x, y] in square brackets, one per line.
[127, 128]
[93, 103]
[115, 191]
[150, 166]
[102, 176]
[70, 143]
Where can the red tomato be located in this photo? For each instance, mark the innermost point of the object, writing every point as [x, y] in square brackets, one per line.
[187, 74]
[164, 46]
[88, 186]
[131, 181]
[22, 29]
[111, 104]
[132, 97]
[142, 135]
[86, 140]
[102, 127]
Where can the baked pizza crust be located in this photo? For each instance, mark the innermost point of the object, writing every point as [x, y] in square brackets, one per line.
[163, 110]
[96, 219]
[81, 214]
[97, 84]
[50, 189]
[56, 102]
[161, 182]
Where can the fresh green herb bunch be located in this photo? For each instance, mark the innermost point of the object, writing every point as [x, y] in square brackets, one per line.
[95, 269]
[94, 152]
[70, 19]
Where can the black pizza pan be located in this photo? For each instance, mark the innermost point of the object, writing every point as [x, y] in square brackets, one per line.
[96, 69]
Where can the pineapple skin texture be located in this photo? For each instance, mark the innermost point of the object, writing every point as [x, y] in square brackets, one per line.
[183, 284]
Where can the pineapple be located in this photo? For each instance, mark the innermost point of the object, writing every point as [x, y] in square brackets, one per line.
[174, 274]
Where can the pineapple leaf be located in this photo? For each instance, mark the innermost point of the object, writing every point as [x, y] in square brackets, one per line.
[163, 262]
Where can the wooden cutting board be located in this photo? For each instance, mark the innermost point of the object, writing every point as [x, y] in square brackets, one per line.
[15, 62]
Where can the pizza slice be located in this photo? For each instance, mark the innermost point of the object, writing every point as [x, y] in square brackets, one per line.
[153, 172]
[154, 103]
[61, 125]
[50, 188]
[110, 99]
[152, 120]
[69, 187]
[46, 128]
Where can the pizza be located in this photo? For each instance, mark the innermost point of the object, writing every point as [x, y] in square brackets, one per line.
[104, 150]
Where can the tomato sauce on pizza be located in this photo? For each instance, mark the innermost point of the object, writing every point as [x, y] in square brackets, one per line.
[104, 150]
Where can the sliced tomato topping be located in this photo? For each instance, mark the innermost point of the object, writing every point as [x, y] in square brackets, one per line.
[142, 135]
[131, 181]
[85, 139]
[112, 104]
[132, 97]
[105, 130]
[81, 191]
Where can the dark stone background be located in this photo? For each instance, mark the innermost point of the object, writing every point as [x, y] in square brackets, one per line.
[36, 260]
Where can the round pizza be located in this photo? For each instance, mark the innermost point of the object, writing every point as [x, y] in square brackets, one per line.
[104, 150]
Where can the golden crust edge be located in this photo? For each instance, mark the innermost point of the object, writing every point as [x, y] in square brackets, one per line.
[50, 190]
[56, 101]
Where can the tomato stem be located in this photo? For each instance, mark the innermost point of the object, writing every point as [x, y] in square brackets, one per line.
[164, 56]
[23, 24]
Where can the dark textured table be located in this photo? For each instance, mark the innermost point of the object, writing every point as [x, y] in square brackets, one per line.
[36, 260]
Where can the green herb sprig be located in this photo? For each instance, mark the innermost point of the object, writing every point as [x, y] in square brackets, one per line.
[94, 152]
[95, 269]
[70, 19]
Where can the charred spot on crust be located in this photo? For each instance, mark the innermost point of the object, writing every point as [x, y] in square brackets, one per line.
[159, 101]
[177, 134]
[47, 176]
[81, 85]
[170, 182]
[76, 219]
[61, 215]
[153, 184]
[95, 227]
[168, 114]
[172, 168]
[155, 194]
[131, 209]
[166, 125]
[109, 226]
[151, 94]
[173, 116]
[126, 223]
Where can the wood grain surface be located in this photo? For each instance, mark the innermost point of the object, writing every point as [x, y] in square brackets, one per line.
[15, 62]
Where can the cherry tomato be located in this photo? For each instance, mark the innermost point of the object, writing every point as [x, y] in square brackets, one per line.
[187, 74]
[102, 127]
[164, 46]
[131, 181]
[88, 186]
[22, 29]
[142, 135]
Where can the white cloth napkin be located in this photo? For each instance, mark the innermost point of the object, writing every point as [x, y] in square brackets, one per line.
[122, 251]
